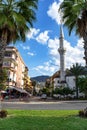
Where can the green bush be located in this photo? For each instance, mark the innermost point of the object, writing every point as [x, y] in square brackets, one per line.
[63, 91]
[3, 113]
[83, 113]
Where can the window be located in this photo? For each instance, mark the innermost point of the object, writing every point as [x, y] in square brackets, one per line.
[7, 63]
[8, 54]
[58, 81]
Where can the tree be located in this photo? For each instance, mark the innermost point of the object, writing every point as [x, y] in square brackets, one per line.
[34, 84]
[82, 83]
[63, 91]
[75, 17]
[3, 79]
[47, 83]
[77, 70]
[16, 18]
[27, 82]
[67, 90]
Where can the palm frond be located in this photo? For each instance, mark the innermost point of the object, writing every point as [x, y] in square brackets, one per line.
[17, 17]
[71, 9]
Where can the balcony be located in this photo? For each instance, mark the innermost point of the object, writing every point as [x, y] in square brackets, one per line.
[10, 66]
[10, 55]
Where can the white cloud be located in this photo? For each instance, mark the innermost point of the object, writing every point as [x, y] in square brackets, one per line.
[53, 45]
[40, 37]
[30, 53]
[25, 47]
[43, 37]
[72, 55]
[53, 11]
[45, 69]
[32, 33]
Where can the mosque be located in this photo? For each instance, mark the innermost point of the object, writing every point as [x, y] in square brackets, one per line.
[62, 77]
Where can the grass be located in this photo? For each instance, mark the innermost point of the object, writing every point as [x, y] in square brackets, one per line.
[43, 120]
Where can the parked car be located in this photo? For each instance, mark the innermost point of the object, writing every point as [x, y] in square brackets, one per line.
[43, 96]
[56, 96]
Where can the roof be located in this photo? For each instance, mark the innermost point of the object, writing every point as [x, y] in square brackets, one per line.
[56, 75]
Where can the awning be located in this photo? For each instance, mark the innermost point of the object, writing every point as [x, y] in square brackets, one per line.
[3, 91]
[19, 89]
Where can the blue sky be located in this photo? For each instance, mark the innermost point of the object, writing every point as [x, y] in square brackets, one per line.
[39, 52]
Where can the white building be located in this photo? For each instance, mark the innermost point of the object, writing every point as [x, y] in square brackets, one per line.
[70, 82]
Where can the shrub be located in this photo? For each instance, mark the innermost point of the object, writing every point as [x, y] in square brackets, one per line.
[81, 113]
[85, 112]
[3, 113]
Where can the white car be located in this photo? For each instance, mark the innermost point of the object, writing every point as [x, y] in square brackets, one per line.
[43, 96]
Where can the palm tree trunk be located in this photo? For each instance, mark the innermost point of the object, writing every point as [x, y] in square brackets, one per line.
[2, 51]
[3, 44]
[85, 48]
[77, 88]
[85, 52]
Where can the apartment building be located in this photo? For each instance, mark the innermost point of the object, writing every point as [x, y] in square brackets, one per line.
[15, 66]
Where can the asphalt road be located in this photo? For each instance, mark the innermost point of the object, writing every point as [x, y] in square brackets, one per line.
[45, 105]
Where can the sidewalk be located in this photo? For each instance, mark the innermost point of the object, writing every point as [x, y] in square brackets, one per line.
[39, 100]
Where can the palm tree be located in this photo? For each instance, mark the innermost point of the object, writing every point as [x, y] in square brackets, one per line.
[3, 79]
[75, 17]
[82, 82]
[16, 17]
[77, 70]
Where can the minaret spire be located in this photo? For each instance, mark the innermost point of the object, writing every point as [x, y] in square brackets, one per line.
[62, 51]
[61, 31]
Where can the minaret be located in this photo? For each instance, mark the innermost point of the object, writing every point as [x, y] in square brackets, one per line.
[62, 51]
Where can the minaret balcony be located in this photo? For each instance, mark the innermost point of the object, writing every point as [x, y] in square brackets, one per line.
[61, 50]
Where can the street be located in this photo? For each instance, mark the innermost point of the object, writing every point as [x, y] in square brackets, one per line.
[45, 105]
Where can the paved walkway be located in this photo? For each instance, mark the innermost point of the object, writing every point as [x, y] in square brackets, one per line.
[38, 100]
